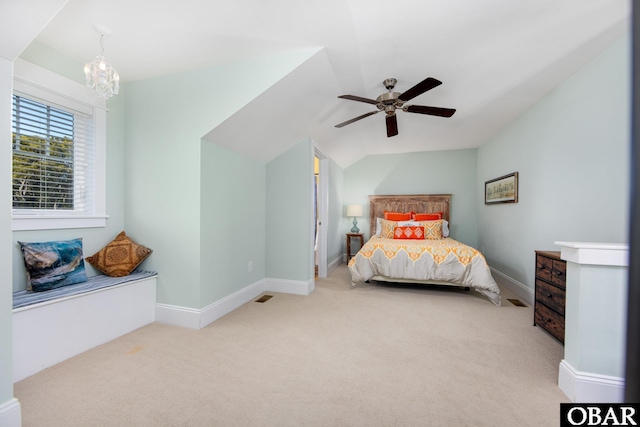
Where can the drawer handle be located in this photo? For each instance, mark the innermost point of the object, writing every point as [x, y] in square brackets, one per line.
[549, 296]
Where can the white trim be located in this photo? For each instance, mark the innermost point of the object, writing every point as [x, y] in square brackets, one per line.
[614, 254]
[47, 333]
[585, 387]
[226, 305]
[296, 287]
[10, 414]
[45, 80]
[194, 318]
[518, 288]
[40, 82]
[323, 205]
[178, 316]
[22, 223]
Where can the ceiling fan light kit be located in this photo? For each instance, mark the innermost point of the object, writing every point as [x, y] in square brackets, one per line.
[391, 101]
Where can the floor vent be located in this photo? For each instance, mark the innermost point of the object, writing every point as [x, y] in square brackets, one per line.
[516, 302]
[264, 298]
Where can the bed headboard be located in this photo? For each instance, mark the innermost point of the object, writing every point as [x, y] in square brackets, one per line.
[422, 203]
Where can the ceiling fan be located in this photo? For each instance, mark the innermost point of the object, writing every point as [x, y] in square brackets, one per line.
[390, 101]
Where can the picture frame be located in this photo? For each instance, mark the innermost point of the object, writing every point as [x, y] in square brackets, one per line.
[503, 189]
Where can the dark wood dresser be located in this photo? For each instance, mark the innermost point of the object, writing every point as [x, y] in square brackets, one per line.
[551, 272]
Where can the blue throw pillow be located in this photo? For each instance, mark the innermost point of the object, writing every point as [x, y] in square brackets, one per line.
[52, 265]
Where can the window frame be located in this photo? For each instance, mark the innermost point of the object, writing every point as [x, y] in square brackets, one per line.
[32, 80]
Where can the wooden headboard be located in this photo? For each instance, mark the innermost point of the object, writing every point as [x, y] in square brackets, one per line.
[421, 203]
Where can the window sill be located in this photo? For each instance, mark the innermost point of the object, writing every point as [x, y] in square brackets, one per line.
[25, 223]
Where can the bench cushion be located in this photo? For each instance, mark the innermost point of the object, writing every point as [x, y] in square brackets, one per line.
[25, 298]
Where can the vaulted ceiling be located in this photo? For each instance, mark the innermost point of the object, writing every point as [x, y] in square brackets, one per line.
[496, 58]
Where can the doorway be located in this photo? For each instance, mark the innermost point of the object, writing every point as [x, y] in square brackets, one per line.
[321, 201]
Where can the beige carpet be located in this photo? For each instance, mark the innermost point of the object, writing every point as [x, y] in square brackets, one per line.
[366, 356]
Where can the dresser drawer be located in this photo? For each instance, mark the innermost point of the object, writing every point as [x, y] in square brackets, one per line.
[544, 267]
[551, 296]
[559, 273]
[551, 321]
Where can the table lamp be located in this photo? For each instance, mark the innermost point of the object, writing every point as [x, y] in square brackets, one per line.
[354, 211]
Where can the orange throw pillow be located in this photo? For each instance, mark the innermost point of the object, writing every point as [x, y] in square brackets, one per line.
[409, 232]
[397, 216]
[427, 216]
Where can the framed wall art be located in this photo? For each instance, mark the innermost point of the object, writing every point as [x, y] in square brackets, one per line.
[501, 190]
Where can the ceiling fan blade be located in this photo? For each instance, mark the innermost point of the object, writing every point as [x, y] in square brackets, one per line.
[355, 119]
[359, 99]
[392, 125]
[425, 85]
[432, 111]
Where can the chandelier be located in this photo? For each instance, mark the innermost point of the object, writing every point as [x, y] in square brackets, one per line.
[101, 76]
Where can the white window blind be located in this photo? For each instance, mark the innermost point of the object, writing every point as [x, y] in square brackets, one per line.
[59, 152]
[53, 154]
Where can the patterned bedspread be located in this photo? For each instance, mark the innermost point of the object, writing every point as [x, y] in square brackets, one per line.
[445, 260]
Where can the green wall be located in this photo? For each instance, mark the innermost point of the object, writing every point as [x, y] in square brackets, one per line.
[233, 222]
[169, 169]
[572, 154]
[290, 214]
[432, 172]
[184, 198]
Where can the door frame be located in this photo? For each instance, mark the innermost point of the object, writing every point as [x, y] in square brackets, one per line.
[323, 211]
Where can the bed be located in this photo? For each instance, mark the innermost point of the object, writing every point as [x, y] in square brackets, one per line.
[419, 251]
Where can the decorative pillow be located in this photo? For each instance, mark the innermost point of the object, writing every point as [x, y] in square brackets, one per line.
[53, 265]
[120, 257]
[432, 229]
[397, 216]
[427, 216]
[410, 232]
[386, 228]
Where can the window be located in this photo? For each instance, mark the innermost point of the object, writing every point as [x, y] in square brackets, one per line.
[58, 153]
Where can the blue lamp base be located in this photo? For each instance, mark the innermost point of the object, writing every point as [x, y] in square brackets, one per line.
[355, 228]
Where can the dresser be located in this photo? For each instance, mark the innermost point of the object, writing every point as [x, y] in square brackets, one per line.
[550, 288]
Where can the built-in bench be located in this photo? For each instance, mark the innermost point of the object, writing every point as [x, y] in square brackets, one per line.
[54, 325]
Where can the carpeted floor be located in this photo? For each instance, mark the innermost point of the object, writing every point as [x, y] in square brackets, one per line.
[370, 355]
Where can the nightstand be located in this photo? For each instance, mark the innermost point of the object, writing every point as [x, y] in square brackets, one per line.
[353, 236]
[550, 282]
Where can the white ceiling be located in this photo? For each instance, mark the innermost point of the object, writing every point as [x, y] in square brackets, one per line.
[496, 58]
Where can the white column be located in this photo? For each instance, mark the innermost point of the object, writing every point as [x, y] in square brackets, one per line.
[595, 321]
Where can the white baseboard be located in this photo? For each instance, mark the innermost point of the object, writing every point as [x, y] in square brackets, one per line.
[214, 311]
[199, 318]
[10, 415]
[48, 333]
[518, 288]
[296, 287]
[585, 387]
[178, 316]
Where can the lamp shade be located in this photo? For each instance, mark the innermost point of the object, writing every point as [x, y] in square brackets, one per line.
[354, 211]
